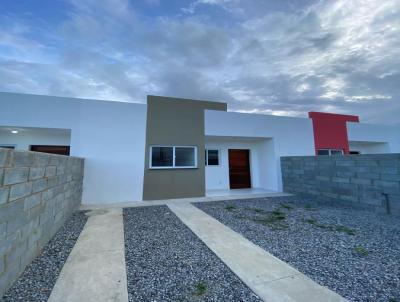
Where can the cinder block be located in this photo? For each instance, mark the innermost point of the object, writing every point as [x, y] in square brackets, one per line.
[18, 222]
[36, 173]
[367, 163]
[386, 170]
[350, 198]
[22, 158]
[60, 170]
[4, 192]
[39, 185]
[2, 265]
[10, 210]
[54, 160]
[4, 157]
[371, 176]
[15, 175]
[51, 171]
[20, 190]
[391, 177]
[341, 179]
[52, 181]
[2, 233]
[361, 181]
[32, 201]
[41, 159]
[387, 183]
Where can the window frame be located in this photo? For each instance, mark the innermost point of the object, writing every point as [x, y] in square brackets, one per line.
[219, 157]
[330, 152]
[8, 146]
[173, 157]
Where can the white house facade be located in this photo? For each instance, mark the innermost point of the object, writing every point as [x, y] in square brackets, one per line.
[176, 148]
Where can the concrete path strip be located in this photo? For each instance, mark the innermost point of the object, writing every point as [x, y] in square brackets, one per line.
[267, 276]
[95, 269]
[150, 203]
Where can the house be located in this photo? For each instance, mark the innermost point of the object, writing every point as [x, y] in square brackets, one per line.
[177, 148]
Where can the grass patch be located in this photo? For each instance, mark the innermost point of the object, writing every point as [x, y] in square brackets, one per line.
[308, 207]
[337, 228]
[200, 289]
[361, 250]
[311, 221]
[275, 220]
[286, 206]
[345, 229]
[393, 300]
[258, 210]
[230, 207]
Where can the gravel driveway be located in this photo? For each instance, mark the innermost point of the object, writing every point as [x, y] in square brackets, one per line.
[353, 252]
[167, 262]
[38, 279]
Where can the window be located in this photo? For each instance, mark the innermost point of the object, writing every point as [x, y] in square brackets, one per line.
[323, 152]
[212, 157]
[61, 150]
[336, 152]
[354, 152]
[173, 157]
[330, 152]
[185, 157]
[7, 146]
[162, 156]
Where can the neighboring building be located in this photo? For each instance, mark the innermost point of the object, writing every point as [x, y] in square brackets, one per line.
[176, 148]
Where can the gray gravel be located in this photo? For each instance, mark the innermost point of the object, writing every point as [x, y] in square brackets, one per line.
[317, 240]
[167, 262]
[38, 279]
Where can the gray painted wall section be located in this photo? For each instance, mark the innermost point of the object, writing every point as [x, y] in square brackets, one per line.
[179, 122]
[362, 180]
[38, 192]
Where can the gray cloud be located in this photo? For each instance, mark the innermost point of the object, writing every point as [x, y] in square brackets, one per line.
[336, 56]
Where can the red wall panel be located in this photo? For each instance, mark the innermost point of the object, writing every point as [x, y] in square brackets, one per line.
[330, 130]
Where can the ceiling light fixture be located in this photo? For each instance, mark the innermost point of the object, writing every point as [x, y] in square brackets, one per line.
[14, 131]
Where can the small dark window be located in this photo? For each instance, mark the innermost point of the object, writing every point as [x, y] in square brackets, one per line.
[185, 157]
[323, 152]
[7, 146]
[212, 157]
[61, 150]
[354, 152]
[162, 156]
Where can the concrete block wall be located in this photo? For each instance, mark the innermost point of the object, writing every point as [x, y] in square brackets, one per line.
[366, 180]
[38, 192]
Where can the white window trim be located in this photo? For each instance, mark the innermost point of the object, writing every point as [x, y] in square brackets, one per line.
[173, 158]
[219, 157]
[330, 151]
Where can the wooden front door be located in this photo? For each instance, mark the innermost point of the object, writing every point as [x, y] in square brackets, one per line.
[239, 169]
[61, 150]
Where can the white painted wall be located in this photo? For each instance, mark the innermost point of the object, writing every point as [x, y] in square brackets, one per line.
[369, 147]
[386, 139]
[283, 136]
[109, 135]
[261, 160]
[34, 136]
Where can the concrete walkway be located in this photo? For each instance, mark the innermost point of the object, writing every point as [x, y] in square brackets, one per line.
[270, 278]
[219, 196]
[95, 269]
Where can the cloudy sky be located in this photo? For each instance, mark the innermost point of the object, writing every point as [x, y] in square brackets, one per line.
[283, 57]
